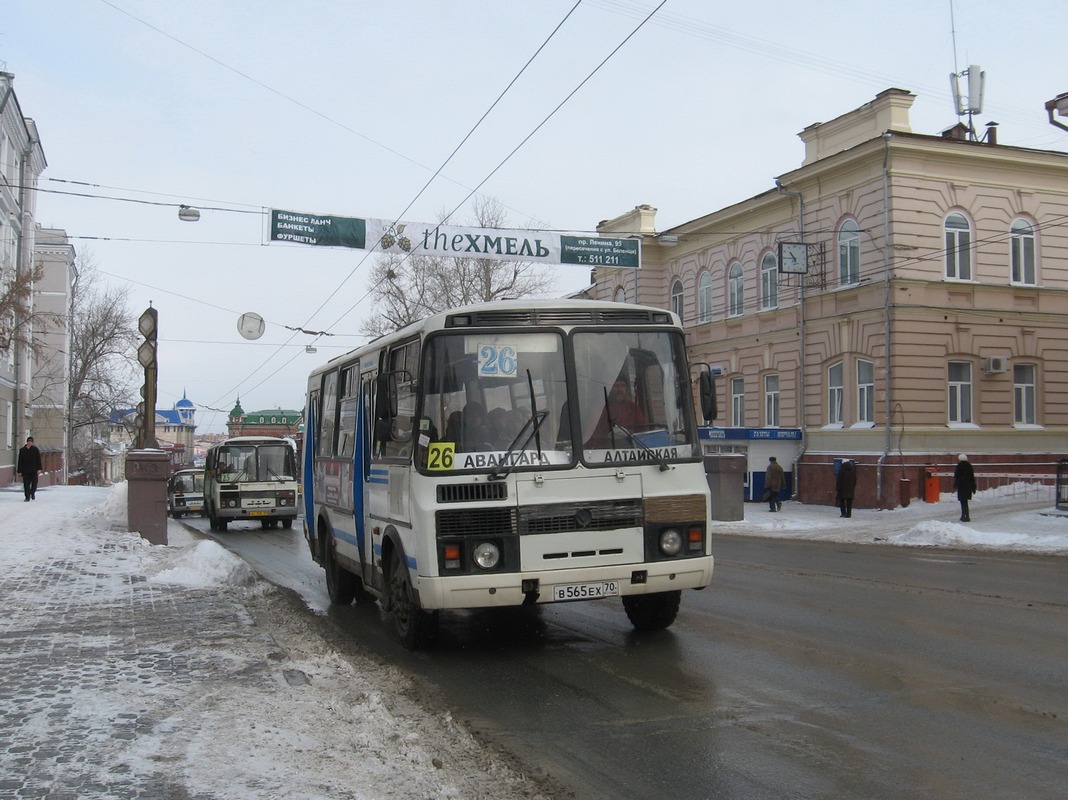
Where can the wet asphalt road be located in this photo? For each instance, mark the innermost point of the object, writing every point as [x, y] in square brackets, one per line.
[807, 670]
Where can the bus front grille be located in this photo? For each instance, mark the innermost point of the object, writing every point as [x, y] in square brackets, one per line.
[476, 522]
[469, 492]
[592, 516]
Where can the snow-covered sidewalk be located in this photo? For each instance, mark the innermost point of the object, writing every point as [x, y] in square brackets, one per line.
[133, 670]
[1018, 518]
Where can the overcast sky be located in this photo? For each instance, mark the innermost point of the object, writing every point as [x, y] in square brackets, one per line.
[349, 108]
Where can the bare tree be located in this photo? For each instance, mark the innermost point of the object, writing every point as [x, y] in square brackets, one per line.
[408, 288]
[17, 319]
[103, 373]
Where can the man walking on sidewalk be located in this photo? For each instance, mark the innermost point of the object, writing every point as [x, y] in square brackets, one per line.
[29, 465]
[774, 481]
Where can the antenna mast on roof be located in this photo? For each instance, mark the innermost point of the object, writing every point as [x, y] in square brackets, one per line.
[976, 83]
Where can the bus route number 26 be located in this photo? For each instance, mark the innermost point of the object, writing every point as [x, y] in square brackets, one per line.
[441, 455]
[496, 361]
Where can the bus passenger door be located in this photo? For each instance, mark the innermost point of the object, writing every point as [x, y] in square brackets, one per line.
[370, 499]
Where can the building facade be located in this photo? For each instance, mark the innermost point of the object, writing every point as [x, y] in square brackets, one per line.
[897, 299]
[22, 161]
[50, 382]
[280, 422]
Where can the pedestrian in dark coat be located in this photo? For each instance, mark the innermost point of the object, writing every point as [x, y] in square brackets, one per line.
[964, 483]
[29, 465]
[845, 486]
[774, 482]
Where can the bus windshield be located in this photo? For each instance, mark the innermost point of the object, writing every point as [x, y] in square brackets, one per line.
[259, 462]
[634, 401]
[494, 400]
[491, 399]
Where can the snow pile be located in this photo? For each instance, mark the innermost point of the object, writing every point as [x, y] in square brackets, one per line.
[206, 564]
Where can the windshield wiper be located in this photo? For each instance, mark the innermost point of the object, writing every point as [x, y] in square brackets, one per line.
[504, 466]
[664, 466]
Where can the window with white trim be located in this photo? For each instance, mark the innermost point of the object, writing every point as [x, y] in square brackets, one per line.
[958, 247]
[1022, 252]
[849, 253]
[704, 298]
[1023, 394]
[736, 290]
[738, 402]
[769, 281]
[771, 401]
[835, 393]
[676, 298]
[865, 390]
[960, 392]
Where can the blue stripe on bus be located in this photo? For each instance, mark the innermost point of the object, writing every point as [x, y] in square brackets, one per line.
[343, 536]
[359, 465]
[311, 435]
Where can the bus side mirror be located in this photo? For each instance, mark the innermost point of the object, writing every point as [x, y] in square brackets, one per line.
[707, 390]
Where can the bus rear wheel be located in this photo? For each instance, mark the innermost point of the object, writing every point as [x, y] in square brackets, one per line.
[652, 612]
[415, 627]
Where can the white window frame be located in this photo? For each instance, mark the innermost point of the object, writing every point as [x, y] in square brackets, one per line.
[769, 281]
[704, 297]
[849, 253]
[958, 238]
[771, 401]
[865, 391]
[1022, 252]
[959, 394]
[736, 290]
[1024, 395]
[738, 402]
[677, 298]
[836, 394]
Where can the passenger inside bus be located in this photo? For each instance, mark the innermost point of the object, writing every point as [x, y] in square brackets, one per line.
[620, 409]
[476, 434]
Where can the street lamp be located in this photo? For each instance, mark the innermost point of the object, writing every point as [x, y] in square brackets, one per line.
[188, 214]
[1060, 105]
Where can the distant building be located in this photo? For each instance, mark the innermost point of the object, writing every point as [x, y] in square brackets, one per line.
[175, 431]
[280, 422]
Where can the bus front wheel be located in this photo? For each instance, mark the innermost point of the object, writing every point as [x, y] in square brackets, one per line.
[340, 583]
[415, 627]
[652, 612]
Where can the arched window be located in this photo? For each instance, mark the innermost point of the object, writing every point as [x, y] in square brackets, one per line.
[958, 247]
[1022, 252]
[676, 298]
[769, 281]
[848, 253]
[735, 290]
[704, 298]
[620, 296]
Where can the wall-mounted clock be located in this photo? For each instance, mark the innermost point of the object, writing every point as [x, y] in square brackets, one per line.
[793, 258]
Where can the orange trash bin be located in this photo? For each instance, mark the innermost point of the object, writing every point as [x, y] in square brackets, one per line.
[931, 488]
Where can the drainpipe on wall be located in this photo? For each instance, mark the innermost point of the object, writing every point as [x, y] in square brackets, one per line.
[801, 354]
[886, 318]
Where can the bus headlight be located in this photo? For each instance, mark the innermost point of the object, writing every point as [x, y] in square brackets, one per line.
[487, 555]
[670, 542]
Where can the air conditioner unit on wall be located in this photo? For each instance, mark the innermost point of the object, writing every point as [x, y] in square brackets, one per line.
[995, 364]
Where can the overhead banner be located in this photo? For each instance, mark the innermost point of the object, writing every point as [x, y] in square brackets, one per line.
[448, 241]
[293, 226]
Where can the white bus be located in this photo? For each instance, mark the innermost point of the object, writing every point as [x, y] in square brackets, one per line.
[250, 477]
[509, 454]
